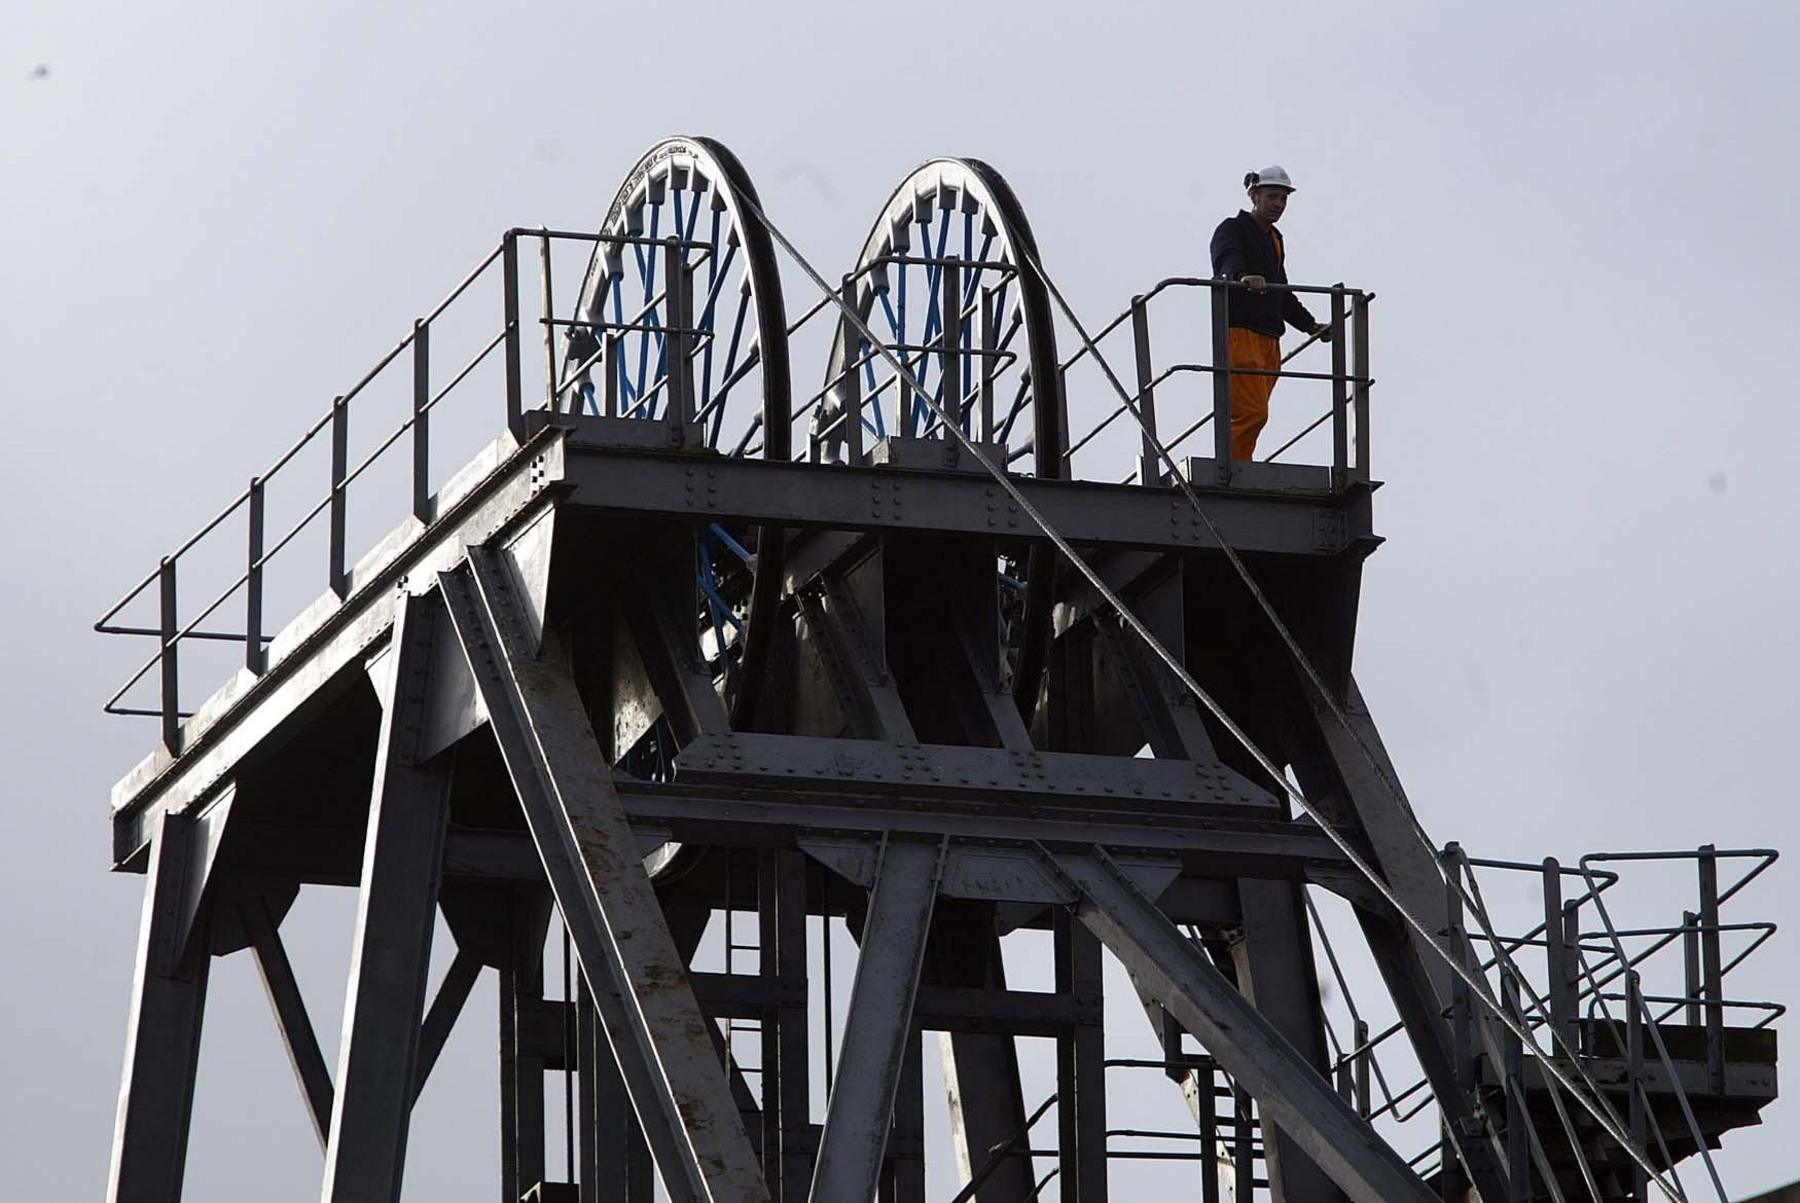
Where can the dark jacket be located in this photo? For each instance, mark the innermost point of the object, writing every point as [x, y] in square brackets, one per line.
[1241, 247]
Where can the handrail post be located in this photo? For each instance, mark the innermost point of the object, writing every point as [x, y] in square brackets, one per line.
[1558, 956]
[1221, 365]
[989, 346]
[1712, 988]
[340, 494]
[1634, 1061]
[1365, 1054]
[171, 674]
[1149, 460]
[549, 302]
[1690, 964]
[1206, 1085]
[1359, 367]
[253, 580]
[950, 332]
[610, 367]
[1340, 395]
[850, 402]
[421, 431]
[677, 286]
[509, 281]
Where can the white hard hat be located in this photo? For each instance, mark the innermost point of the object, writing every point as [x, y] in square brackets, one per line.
[1273, 176]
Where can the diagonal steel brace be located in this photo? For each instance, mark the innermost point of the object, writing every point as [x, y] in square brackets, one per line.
[638, 977]
[1246, 1044]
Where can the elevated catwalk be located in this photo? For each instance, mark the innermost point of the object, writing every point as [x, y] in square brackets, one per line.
[690, 642]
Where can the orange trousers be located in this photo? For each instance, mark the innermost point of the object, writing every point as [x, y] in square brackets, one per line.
[1250, 394]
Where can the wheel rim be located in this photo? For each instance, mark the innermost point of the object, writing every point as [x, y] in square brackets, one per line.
[689, 188]
[962, 208]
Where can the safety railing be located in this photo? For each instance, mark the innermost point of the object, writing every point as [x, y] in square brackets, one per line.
[667, 314]
[963, 340]
[1570, 995]
[1346, 333]
[1228, 1146]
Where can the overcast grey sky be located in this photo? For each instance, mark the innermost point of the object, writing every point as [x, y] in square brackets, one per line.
[1577, 216]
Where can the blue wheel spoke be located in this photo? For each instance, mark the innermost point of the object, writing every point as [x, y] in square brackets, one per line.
[1018, 407]
[737, 333]
[706, 324]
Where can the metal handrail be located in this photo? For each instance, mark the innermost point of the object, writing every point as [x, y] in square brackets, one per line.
[1169, 282]
[1361, 1056]
[1349, 376]
[171, 632]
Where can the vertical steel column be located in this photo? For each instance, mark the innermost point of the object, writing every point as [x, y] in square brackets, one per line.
[981, 1069]
[906, 1146]
[1559, 958]
[1273, 959]
[1634, 1059]
[990, 348]
[1150, 459]
[615, 1161]
[790, 1045]
[1206, 1090]
[403, 856]
[170, 665]
[1089, 1042]
[768, 941]
[340, 495]
[521, 1073]
[588, 1042]
[1454, 1180]
[253, 579]
[1243, 1151]
[515, 385]
[1068, 1131]
[950, 330]
[1221, 374]
[1359, 367]
[421, 418]
[850, 387]
[162, 1036]
[549, 304]
[1340, 396]
[1712, 987]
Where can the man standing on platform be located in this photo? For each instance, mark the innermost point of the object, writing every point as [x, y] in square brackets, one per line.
[1247, 249]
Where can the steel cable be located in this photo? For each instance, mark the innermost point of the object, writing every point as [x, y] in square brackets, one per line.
[1478, 983]
[1128, 617]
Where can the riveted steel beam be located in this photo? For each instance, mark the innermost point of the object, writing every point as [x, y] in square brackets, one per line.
[637, 975]
[162, 1037]
[621, 482]
[297, 1035]
[396, 909]
[879, 1027]
[1245, 1043]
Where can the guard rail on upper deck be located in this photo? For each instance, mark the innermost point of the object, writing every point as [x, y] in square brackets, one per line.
[670, 314]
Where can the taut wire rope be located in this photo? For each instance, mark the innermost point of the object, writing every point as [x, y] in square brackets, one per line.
[1477, 983]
